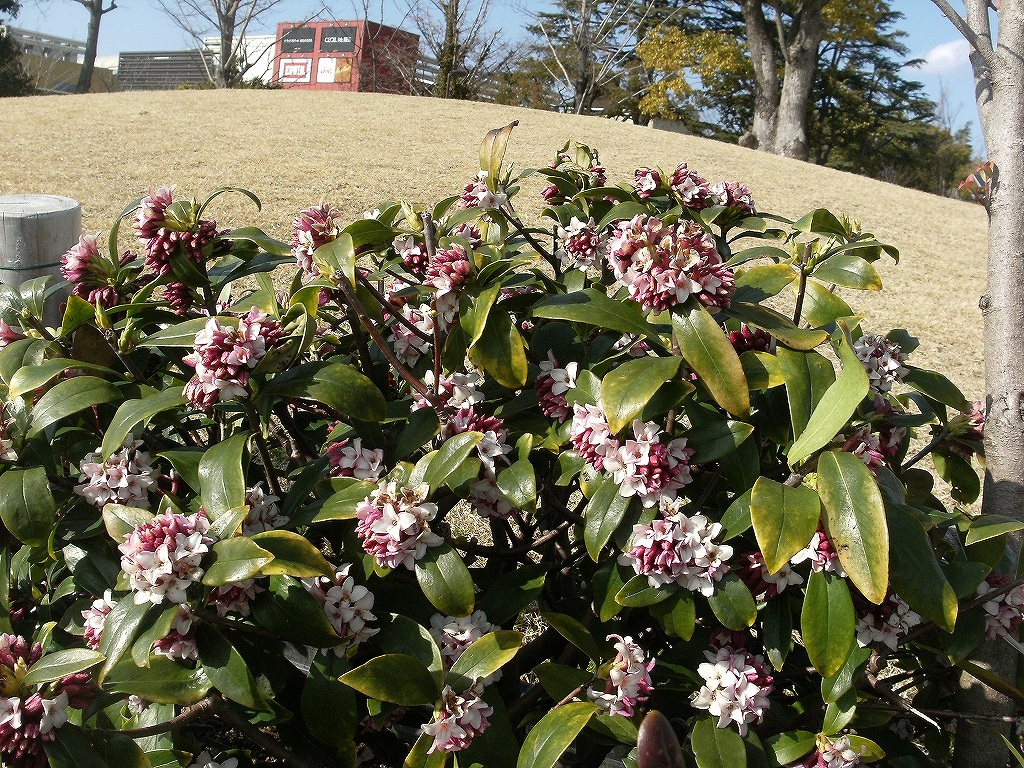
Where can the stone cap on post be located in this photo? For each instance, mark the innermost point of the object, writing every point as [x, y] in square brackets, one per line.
[35, 231]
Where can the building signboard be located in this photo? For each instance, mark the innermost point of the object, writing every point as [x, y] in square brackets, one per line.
[295, 71]
[337, 39]
[298, 40]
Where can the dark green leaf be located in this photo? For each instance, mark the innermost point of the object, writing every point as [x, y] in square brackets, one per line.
[183, 334]
[784, 520]
[732, 603]
[990, 526]
[958, 472]
[603, 515]
[629, 387]
[777, 631]
[449, 457]
[788, 747]
[756, 284]
[221, 476]
[593, 307]
[336, 259]
[395, 678]
[513, 592]
[32, 377]
[839, 713]
[445, 581]
[328, 705]
[779, 326]
[808, 376]
[573, 631]
[761, 369]
[71, 749]
[234, 560]
[868, 751]
[518, 484]
[678, 614]
[131, 413]
[336, 385]
[69, 397]
[822, 307]
[915, 572]
[821, 221]
[716, 438]
[850, 271]
[401, 634]
[937, 387]
[164, 681]
[836, 407]
[293, 555]
[120, 520]
[828, 622]
[291, 613]
[855, 521]
[483, 658]
[501, 351]
[26, 505]
[342, 504]
[58, 664]
[637, 593]
[834, 686]
[710, 354]
[226, 669]
[549, 738]
[717, 747]
[737, 517]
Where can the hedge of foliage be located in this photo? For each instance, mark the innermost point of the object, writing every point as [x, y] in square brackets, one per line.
[472, 492]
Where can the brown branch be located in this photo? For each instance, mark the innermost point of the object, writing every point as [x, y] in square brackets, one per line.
[802, 288]
[395, 311]
[982, 46]
[935, 442]
[267, 743]
[204, 708]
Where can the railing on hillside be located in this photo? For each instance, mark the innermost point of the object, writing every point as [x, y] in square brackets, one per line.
[426, 78]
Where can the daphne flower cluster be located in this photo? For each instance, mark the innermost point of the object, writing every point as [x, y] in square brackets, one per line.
[1003, 613]
[350, 459]
[180, 642]
[748, 339]
[394, 525]
[590, 435]
[162, 237]
[461, 718]
[882, 359]
[161, 557]
[413, 255]
[223, 357]
[966, 432]
[312, 228]
[494, 445]
[732, 194]
[821, 554]
[348, 607]
[488, 501]
[676, 549]
[579, 244]
[646, 467]
[28, 718]
[647, 182]
[454, 634]
[124, 478]
[205, 760]
[887, 623]
[455, 392]
[629, 679]
[264, 513]
[836, 753]
[93, 276]
[477, 195]
[690, 187]
[865, 445]
[552, 384]
[409, 346]
[761, 582]
[736, 687]
[94, 617]
[662, 266]
[448, 270]
[235, 597]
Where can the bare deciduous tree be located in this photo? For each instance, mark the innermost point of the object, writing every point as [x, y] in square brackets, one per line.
[227, 19]
[96, 9]
[997, 58]
[456, 34]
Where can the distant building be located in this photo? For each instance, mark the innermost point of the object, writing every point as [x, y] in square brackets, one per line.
[163, 70]
[346, 56]
[255, 54]
[54, 63]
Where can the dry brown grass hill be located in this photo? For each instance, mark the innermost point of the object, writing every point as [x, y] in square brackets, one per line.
[294, 149]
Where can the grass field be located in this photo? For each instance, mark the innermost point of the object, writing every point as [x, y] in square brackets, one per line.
[294, 149]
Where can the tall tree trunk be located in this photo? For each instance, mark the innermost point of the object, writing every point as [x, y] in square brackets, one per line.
[766, 77]
[223, 75]
[583, 96]
[998, 73]
[96, 11]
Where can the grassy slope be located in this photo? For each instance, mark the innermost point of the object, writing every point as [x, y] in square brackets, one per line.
[294, 149]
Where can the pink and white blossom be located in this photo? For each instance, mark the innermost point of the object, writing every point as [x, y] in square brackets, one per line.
[394, 525]
[690, 187]
[205, 760]
[95, 616]
[676, 549]
[1003, 613]
[591, 436]
[224, 356]
[833, 753]
[629, 679]
[312, 228]
[350, 459]
[264, 512]
[124, 478]
[647, 182]
[477, 195]
[662, 266]
[736, 688]
[348, 607]
[492, 448]
[407, 345]
[488, 501]
[882, 359]
[732, 194]
[644, 466]
[180, 642]
[459, 720]
[454, 634]
[821, 554]
[235, 597]
[448, 270]
[579, 244]
[885, 624]
[161, 557]
[552, 384]
[760, 581]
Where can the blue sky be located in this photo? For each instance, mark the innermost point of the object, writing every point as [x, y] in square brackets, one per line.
[139, 25]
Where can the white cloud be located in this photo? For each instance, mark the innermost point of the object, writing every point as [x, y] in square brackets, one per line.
[946, 58]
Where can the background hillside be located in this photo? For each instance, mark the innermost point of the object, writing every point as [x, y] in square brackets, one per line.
[295, 149]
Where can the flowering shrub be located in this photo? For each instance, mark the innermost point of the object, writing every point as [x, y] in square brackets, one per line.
[451, 489]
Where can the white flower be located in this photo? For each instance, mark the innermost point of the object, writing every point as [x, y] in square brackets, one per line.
[124, 478]
[629, 679]
[205, 760]
[455, 634]
[264, 513]
[887, 624]
[394, 525]
[882, 359]
[736, 688]
[55, 713]
[10, 711]
[347, 605]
